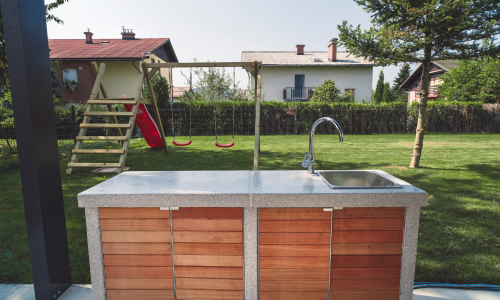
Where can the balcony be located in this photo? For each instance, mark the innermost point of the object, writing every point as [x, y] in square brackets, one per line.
[433, 92]
[291, 94]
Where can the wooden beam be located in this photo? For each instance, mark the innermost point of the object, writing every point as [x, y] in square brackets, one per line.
[125, 146]
[249, 70]
[109, 138]
[104, 125]
[119, 101]
[200, 64]
[104, 93]
[94, 165]
[257, 117]
[152, 72]
[156, 111]
[107, 113]
[171, 84]
[97, 151]
[155, 108]
[106, 102]
[83, 130]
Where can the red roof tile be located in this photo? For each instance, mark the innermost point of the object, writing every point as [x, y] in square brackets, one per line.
[115, 49]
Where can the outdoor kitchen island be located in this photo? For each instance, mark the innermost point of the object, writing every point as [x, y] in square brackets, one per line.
[250, 235]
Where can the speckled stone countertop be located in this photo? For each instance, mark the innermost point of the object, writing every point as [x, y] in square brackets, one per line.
[241, 189]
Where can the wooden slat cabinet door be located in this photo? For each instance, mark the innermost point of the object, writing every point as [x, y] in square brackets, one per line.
[208, 253]
[366, 253]
[137, 253]
[294, 253]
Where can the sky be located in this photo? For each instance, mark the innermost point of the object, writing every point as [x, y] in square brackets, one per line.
[215, 30]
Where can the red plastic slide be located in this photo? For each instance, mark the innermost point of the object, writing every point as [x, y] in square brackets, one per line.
[146, 125]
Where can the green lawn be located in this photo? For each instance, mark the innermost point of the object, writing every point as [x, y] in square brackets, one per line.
[459, 239]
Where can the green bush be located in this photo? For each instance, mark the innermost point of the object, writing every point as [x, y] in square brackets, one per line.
[327, 92]
[161, 90]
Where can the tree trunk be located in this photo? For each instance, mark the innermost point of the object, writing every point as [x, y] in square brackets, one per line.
[422, 109]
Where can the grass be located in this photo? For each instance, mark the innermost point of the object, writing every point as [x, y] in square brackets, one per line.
[459, 240]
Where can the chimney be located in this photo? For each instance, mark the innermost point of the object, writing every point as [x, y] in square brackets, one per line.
[127, 34]
[88, 36]
[300, 49]
[332, 50]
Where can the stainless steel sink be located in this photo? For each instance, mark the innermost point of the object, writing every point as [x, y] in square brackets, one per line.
[356, 180]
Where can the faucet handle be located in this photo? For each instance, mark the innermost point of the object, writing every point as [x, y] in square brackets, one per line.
[307, 160]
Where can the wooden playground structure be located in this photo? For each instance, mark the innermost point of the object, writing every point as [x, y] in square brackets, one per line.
[148, 70]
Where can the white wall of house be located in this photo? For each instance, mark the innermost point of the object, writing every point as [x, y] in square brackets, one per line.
[411, 97]
[275, 79]
[121, 78]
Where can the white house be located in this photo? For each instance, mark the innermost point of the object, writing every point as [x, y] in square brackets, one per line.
[293, 75]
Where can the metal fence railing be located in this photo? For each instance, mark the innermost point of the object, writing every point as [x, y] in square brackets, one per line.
[274, 121]
[298, 94]
[353, 121]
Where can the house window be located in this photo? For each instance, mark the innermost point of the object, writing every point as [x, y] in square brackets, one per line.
[152, 60]
[350, 91]
[70, 74]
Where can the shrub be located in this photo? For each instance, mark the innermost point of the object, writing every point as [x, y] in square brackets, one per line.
[326, 92]
[161, 89]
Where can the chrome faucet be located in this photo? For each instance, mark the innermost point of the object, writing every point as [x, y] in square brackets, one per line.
[308, 161]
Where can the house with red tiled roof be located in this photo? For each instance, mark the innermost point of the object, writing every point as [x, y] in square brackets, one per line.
[122, 57]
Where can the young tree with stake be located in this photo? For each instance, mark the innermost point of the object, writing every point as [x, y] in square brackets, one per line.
[421, 31]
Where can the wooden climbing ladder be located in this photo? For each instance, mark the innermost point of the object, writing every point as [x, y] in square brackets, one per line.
[123, 138]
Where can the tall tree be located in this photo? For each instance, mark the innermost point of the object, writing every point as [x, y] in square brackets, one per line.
[403, 74]
[386, 95]
[379, 91]
[4, 69]
[421, 31]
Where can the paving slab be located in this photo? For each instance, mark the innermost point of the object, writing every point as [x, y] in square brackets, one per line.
[84, 292]
[26, 292]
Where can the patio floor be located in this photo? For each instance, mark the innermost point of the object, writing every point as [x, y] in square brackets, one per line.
[84, 292]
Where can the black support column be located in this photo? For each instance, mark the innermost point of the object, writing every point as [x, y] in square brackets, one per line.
[29, 72]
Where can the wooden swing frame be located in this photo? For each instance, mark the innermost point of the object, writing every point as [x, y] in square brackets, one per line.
[251, 67]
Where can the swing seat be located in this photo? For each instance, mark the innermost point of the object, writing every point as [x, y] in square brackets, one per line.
[182, 144]
[224, 145]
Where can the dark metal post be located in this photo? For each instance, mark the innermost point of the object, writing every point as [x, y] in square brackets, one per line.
[458, 114]
[351, 118]
[296, 121]
[25, 32]
[241, 119]
[185, 119]
[405, 118]
[73, 118]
